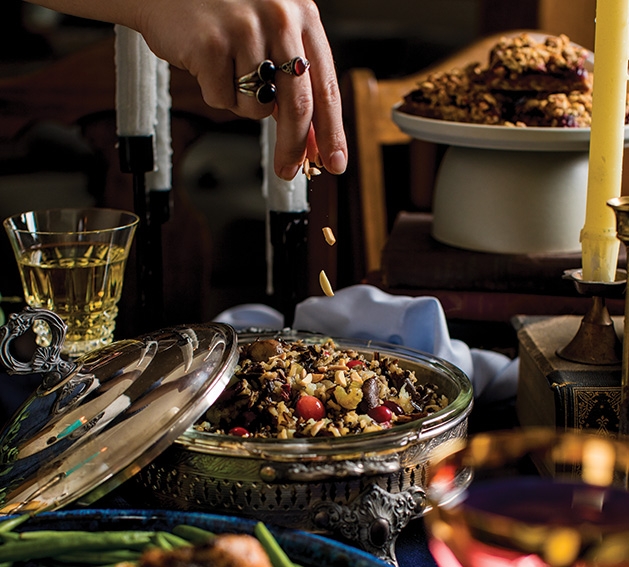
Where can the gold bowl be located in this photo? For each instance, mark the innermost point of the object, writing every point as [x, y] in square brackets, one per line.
[535, 497]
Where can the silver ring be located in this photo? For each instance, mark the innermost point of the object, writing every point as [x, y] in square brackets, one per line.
[264, 92]
[264, 73]
[296, 66]
[259, 83]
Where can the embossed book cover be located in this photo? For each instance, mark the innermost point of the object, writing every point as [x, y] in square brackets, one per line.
[555, 391]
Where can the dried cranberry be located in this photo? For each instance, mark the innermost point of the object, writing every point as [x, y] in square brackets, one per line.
[247, 418]
[239, 431]
[354, 363]
[395, 408]
[380, 414]
[309, 407]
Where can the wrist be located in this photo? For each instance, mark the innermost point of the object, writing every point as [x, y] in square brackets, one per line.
[124, 12]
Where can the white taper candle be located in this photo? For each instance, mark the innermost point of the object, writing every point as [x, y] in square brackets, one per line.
[161, 178]
[136, 85]
[281, 196]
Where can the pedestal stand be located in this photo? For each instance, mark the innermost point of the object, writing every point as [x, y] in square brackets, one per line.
[596, 342]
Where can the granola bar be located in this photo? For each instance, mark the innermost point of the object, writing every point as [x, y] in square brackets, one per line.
[525, 83]
[459, 96]
[563, 110]
[521, 63]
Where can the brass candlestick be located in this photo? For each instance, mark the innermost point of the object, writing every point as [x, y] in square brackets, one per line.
[596, 341]
[621, 208]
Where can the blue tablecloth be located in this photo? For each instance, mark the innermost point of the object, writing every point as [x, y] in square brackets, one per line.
[412, 549]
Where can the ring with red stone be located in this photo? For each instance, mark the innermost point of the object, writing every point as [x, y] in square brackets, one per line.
[296, 66]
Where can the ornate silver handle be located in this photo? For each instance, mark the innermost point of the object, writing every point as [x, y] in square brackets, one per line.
[374, 519]
[45, 359]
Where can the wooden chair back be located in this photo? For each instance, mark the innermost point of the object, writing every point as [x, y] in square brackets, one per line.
[367, 103]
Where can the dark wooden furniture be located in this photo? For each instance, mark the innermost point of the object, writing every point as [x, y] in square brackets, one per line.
[78, 92]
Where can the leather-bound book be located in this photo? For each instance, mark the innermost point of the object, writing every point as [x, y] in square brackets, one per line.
[556, 392]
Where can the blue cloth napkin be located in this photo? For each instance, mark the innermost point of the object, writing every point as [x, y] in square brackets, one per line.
[366, 312]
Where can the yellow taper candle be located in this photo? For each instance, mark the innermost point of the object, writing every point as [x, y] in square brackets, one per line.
[599, 244]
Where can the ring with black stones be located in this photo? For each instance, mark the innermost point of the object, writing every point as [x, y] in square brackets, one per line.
[296, 66]
[264, 92]
[264, 72]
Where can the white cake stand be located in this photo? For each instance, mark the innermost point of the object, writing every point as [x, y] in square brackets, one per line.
[504, 189]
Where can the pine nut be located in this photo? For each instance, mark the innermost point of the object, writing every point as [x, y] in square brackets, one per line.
[324, 282]
[329, 235]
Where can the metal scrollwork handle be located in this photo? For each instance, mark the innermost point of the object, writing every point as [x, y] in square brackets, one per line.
[46, 359]
[374, 519]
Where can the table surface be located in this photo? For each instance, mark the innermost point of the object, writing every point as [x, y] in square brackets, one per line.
[412, 549]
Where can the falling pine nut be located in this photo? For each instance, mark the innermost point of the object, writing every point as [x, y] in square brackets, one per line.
[313, 172]
[324, 282]
[308, 170]
[329, 235]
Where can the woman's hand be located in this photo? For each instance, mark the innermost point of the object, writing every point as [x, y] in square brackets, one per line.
[219, 41]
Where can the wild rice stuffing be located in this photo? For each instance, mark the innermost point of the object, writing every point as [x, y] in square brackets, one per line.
[297, 389]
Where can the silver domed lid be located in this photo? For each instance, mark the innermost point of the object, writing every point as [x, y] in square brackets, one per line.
[96, 421]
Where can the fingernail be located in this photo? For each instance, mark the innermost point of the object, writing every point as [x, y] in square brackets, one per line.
[288, 173]
[338, 163]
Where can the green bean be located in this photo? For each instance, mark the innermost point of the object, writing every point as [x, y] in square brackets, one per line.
[8, 536]
[173, 540]
[168, 541]
[192, 533]
[109, 548]
[58, 543]
[36, 535]
[276, 554]
[158, 540]
[12, 523]
[98, 557]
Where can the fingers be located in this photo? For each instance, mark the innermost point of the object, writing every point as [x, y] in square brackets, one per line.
[223, 44]
[309, 117]
[230, 69]
[327, 118]
[294, 113]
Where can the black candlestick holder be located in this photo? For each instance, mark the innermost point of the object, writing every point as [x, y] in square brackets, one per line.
[596, 341]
